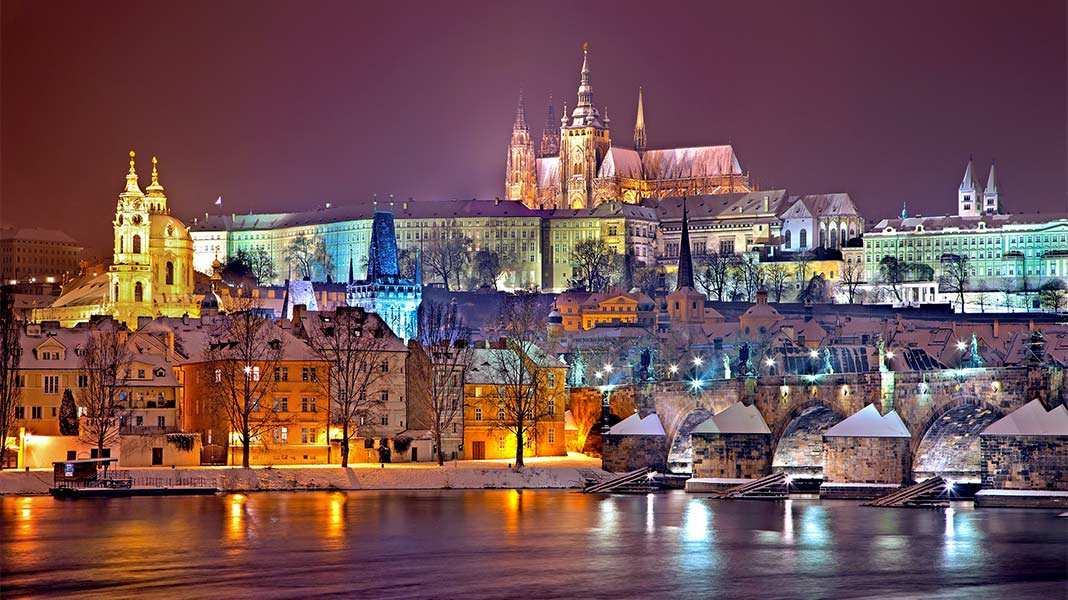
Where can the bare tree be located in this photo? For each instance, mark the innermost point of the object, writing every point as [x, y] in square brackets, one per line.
[893, 273]
[309, 257]
[259, 264]
[526, 395]
[488, 267]
[851, 280]
[10, 355]
[648, 279]
[446, 340]
[745, 277]
[357, 345]
[815, 291]
[775, 277]
[597, 266]
[714, 273]
[447, 259]
[104, 367]
[407, 262]
[1053, 295]
[955, 276]
[243, 351]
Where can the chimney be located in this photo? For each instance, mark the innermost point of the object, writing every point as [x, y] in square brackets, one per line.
[997, 328]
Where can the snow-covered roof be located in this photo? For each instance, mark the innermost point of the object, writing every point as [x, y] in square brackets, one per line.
[821, 205]
[867, 422]
[636, 425]
[682, 163]
[1031, 419]
[548, 171]
[621, 162]
[739, 418]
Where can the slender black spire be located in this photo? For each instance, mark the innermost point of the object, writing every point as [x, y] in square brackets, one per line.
[685, 279]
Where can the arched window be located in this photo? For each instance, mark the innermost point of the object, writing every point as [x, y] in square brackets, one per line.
[139, 292]
[170, 273]
[137, 244]
[804, 239]
[122, 245]
[116, 298]
[823, 238]
[786, 239]
[844, 238]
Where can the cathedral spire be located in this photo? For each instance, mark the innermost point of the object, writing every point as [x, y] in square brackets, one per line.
[155, 189]
[992, 194]
[520, 115]
[992, 180]
[639, 125]
[550, 134]
[585, 112]
[685, 278]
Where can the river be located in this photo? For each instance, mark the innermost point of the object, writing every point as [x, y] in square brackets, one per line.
[530, 544]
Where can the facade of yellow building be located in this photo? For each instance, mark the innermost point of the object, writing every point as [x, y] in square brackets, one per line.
[486, 430]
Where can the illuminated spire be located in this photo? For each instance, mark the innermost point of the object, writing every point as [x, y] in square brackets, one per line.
[585, 112]
[155, 188]
[132, 186]
[520, 115]
[550, 134]
[639, 125]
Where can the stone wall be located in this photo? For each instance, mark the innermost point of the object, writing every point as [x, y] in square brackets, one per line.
[1025, 462]
[622, 453]
[950, 447]
[800, 449]
[865, 459]
[733, 455]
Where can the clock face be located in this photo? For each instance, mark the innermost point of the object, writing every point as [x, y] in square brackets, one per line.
[136, 219]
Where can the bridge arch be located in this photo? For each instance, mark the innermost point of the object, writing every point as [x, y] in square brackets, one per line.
[948, 442]
[797, 440]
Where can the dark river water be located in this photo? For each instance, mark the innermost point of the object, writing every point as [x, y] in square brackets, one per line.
[532, 544]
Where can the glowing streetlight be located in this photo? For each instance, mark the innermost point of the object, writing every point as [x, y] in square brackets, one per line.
[673, 369]
[608, 368]
[697, 361]
[599, 375]
[697, 383]
[813, 354]
[890, 354]
[961, 345]
[769, 361]
[247, 370]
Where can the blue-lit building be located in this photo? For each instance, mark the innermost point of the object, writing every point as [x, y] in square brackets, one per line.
[384, 291]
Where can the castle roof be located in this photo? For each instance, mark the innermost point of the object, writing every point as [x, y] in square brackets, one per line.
[621, 162]
[988, 221]
[820, 205]
[685, 163]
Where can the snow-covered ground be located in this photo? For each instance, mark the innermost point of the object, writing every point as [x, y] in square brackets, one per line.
[539, 472]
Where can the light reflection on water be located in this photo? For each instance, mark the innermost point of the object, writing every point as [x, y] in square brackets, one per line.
[488, 544]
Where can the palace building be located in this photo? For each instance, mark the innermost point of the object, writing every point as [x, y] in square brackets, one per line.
[580, 168]
[152, 269]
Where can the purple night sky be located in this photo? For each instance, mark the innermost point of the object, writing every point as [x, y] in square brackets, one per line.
[285, 106]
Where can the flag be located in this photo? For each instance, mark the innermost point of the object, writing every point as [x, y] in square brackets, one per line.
[219, 201]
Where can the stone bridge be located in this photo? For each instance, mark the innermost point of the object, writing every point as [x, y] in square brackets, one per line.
[944, 410]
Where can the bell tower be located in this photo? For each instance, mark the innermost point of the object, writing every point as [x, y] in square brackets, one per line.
[584, 142]
[130, 275]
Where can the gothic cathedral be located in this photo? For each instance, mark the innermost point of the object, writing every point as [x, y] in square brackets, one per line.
[579, 168]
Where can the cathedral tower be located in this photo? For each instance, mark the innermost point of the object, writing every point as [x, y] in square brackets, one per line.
[520, 181]
[991, 195]
[970, 193]
[584, 142]
[550, 134]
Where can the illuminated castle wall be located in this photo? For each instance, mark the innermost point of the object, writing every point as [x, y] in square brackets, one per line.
[384, 292]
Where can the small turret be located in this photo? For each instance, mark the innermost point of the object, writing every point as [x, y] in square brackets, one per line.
[970, 193]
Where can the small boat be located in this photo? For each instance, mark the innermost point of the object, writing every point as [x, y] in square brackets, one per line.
[94, 478]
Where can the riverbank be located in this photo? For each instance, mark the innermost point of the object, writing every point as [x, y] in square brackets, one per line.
[539, 473]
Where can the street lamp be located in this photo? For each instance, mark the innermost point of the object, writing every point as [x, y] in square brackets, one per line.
[673, 369]
[769, 361]
[697, 361]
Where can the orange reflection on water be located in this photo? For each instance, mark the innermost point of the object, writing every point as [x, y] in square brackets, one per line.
[336, 524]
[26, 516]
[513, 506]
[236, 530]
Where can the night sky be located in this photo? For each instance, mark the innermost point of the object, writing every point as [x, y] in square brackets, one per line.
[286, 106]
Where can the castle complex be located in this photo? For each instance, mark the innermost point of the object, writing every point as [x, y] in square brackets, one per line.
[578, 166]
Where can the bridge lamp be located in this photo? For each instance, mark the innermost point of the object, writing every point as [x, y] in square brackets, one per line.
[697, 383]
[996, 386]
[890, 354]
[769, 361]
[949, 486]
[697, 361]
[813, 354]
[789, 479]
[608, 368]
[961, 345]
[599, 375]
[650, 475]
[673, 369]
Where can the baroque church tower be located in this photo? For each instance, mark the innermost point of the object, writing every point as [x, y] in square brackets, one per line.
[130, 274]
[584, 142]
[520, 182]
